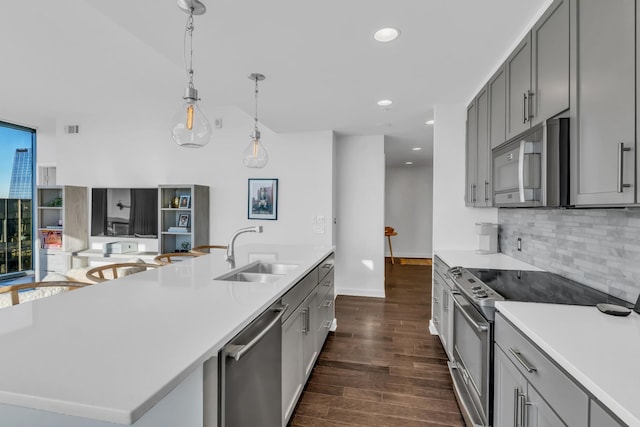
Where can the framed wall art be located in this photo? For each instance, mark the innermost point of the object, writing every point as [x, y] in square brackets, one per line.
[263, 198]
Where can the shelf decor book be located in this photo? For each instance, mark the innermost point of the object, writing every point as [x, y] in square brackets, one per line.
[51, 239]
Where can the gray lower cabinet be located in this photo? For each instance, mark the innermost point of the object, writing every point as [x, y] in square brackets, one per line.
[599, 417]
[441, 305]
[603, 166]
[517, 403]
[537, 71]
[531, 390]
[305, 327]
[292, 362]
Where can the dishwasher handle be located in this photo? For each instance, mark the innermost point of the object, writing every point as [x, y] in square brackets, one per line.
[237, 351]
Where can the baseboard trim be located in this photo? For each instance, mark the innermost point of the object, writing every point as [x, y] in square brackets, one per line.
[432, 328]
[360, 293]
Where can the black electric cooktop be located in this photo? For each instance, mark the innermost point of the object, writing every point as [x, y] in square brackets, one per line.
[542, 286]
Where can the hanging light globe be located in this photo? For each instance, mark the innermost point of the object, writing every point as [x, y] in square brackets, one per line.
[191, 129]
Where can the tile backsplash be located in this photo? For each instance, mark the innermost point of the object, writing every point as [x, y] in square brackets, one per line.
[596, 247]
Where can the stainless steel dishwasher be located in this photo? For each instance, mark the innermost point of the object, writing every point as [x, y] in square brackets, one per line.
[250, 374]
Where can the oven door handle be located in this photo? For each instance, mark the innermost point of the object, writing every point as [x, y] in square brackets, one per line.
[479, 328]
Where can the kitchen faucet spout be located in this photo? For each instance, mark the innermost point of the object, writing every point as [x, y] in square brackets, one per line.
[231, 256]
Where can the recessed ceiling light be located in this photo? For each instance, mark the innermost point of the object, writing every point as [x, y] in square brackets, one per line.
[430, 122]
[408, 163]
[417, 148]
[384, 35]
[385, 102]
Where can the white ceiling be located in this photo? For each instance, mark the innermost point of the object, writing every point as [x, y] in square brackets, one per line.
[324, 70]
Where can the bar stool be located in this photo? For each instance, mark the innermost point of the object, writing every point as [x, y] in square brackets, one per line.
[389, 231]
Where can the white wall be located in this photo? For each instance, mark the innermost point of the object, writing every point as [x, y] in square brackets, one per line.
[453, 223]
[360, 215]
[408, 209]
[136, 150]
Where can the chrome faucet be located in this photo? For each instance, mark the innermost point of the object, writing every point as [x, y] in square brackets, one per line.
[231, 256]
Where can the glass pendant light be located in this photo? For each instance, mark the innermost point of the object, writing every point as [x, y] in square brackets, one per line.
[190, 126]
[255, 155]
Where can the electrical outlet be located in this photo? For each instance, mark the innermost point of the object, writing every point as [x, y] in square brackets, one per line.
[519, 244]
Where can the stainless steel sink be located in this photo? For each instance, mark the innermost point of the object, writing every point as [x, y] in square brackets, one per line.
[250, 277]
[261, 272]
[269, 268]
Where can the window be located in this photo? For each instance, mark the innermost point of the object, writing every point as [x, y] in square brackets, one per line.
[17, 145]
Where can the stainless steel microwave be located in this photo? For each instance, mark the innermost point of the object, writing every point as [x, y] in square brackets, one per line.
[532, 169]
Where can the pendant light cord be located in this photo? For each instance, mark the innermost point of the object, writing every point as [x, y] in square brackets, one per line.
[188, 30]
[256, 114]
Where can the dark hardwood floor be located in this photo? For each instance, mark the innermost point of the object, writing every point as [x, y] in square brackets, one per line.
[382, 367]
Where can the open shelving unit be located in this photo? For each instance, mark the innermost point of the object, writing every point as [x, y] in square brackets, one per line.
[61, 226]
[183, 217]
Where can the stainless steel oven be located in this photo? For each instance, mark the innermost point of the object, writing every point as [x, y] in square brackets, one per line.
[471, 365]
[473, 303]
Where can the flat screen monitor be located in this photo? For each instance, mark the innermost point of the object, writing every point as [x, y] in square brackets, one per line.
[124, 212]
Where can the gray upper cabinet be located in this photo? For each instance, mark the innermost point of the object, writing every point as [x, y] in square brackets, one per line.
[518, 68]
[478, 154]
[497, 88]
[537, 71]
[603, 150]
[483, 163]
[471, 154]
[550, 63]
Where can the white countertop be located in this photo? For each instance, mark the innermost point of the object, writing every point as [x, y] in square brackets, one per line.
[600, 351]
[472, 259]
[111, 351]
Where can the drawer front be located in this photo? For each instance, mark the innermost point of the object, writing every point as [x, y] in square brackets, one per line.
[58, 263]
[562, 394]
[299, 292]
[325, 285]
[326, 313]
[440, 266]
[326, 266]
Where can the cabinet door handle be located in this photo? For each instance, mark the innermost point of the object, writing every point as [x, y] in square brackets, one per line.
[621, 150]
[529, 105]
[473, 193]
[516, 401]
[524, 362]
[486, 191]
[327, 265]
[524, 107]
[327, 324]
[327, 283]
[522, 402]
[328, 303]
[305, 321]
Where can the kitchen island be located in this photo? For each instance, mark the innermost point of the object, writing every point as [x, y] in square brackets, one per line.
[131, 351]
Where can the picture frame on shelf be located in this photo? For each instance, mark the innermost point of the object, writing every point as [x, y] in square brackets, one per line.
[183, 220]
[263, 198]
[185, 202]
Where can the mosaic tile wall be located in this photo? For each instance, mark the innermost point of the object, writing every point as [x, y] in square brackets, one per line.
[597, 247]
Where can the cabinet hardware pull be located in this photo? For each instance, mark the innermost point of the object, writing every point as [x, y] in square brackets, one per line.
[240, 350]
[524, 362]
[621, 150]
[473, 193]
[523, 409]
[486, 191]
[524, 108]
[327, 265]
[327, 324]
[305, 321]
[327, 283]
[328, 303]
[529, 105]
[516, 395]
